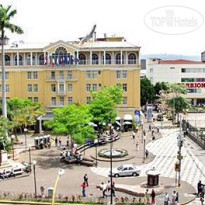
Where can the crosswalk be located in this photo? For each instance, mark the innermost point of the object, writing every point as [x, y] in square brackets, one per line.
[165, 150]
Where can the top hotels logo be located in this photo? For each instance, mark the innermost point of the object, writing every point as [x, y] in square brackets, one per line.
[173, 20]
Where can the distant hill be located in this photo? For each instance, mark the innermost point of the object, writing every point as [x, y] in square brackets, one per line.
[171, 57]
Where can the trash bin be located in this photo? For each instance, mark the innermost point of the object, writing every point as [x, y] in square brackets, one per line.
[50, 192]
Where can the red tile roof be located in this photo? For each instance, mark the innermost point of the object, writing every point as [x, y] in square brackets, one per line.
[180, 61]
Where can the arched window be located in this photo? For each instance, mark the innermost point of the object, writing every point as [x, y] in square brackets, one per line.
[41, 59]
[7, 60]
[118, 58]
[61, 55]
[131, 58]
[20, 60]
[107, 59]
[28, 60]
[82, 59]
[94, 58]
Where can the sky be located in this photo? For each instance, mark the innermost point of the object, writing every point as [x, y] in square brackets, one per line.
[143, 23]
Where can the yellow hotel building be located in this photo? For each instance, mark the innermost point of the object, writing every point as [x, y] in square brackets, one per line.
[63, 73]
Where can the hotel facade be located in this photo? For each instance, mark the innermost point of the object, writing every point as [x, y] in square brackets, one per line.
[63, 73]
[187, 72]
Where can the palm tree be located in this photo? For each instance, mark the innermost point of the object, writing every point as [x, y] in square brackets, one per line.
[5, 15]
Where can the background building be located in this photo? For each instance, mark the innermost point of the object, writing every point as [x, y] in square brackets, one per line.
[190, 73]
[63, 73]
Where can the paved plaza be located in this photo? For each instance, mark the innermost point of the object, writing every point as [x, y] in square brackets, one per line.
[162, 156]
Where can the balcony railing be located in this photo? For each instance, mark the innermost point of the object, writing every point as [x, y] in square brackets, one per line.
[61, 92]
[61, 78]
[80, 63]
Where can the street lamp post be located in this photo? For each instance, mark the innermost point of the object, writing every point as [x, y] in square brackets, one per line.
[96, 152]
[25, 131]
[144, 140]
[29, 152]
[60, 173]
[34, 175]
[111, 147]
[12, 143]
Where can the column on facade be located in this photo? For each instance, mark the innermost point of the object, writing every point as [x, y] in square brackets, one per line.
[77, 57]
[121, 57]
[112, 57]
[24, 59]
[17, 56]
[12, 59]
[31, 58]
[44, 57]
[91, 58]
[104, 57]
[36, 59]
[126, 58]
[48, 58]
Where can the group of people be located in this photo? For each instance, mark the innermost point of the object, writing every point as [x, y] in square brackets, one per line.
[58, 142]
[174, 200]
[107, 189]
[148, 195]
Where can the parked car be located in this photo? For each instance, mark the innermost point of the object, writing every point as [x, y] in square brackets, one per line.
[125, 170]
[160, 117]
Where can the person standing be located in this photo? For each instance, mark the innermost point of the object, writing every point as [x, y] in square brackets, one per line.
[133, 135]
[83, 185]
[56, 141]
[177, 198]
[146, 196]
[173, 198]
[104, 189]
[86, 179]
[166, 199]
[146, 153]
[153, 196]
[199, 188]
[138, 145]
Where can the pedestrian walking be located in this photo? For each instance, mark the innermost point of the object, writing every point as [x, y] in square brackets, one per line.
[133, 135]
[144, 132]
[158, 129]
[86, 179]
[146, 197]
[150, 127]
[153, 196]
[166, 199]
[42, 189]
[173, 198]
[84, 185]
[104, 189]
[152, 132]
[146, 153]
[177, 198]
[153, 138]
[137, 145]
[56, 141]
[59, 142]
[113, 189]
[199, 188]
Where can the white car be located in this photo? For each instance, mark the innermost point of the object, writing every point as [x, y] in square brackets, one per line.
[125, 170]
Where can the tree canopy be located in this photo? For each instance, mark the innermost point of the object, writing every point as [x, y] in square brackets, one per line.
[75, 120]
[147, 91]
[104, 103]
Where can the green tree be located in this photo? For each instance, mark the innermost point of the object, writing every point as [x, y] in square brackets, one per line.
[179, 104]
[158, 87]
[5, 126]
[24, 112]
[147, 91]
[72, 120]
[5, 16]
[103, 105]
